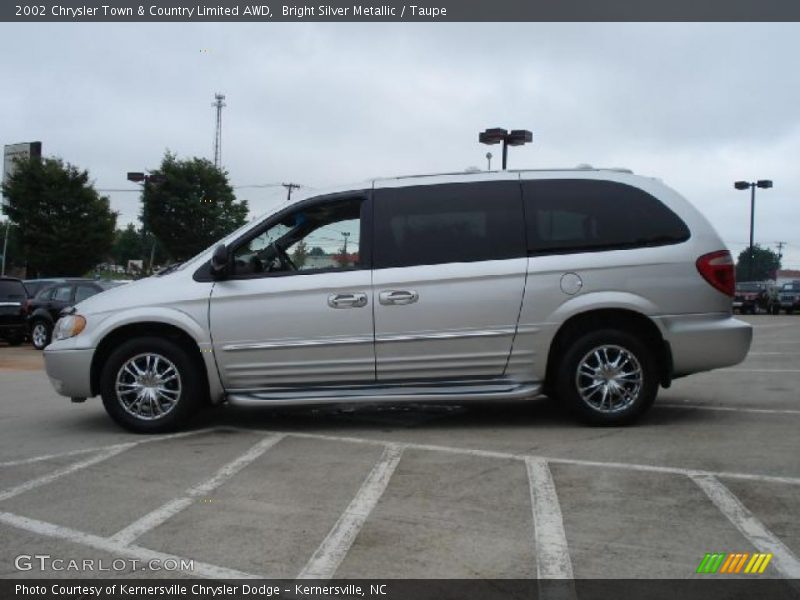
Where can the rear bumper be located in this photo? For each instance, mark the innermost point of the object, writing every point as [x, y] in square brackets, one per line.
[69, 370]
[705, 342]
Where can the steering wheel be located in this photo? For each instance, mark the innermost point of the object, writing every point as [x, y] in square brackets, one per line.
[284, 262]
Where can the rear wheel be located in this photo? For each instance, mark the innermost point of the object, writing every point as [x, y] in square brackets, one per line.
[41, 331]
[151, 385]
[607, 377]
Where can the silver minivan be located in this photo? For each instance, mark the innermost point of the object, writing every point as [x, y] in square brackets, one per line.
[592, 286]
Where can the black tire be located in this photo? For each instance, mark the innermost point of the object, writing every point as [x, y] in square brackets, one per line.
[617, 344]
[41, 339]
[190, 385]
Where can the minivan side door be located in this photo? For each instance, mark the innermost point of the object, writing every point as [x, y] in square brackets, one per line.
[449, 275]
[295, 308]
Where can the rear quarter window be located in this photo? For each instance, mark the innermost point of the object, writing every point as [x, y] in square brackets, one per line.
[584, 215]
[12, 290]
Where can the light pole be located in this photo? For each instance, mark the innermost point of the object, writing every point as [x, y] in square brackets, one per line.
[516, 137]
[142, 179]
[752, 185]
[489, 161]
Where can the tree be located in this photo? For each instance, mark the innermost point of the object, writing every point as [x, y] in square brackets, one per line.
[127, 245]
[317, 251]
[764, 264]
[300, 254]
[14, 255]
[65, 227]
[192, 207]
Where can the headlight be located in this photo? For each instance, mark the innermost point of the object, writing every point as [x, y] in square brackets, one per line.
[69, 326]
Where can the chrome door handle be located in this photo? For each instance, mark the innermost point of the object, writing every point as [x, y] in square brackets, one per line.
[355, 300]
[398, 297]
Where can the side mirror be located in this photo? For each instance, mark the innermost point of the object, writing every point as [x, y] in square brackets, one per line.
[219, 262]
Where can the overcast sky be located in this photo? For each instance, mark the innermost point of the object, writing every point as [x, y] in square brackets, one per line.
[697, 105]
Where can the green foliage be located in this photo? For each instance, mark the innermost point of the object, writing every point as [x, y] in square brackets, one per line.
[300, 254]
[64, 226]
[317, 251]
[15, 257]
[764, 264]
[192, 207]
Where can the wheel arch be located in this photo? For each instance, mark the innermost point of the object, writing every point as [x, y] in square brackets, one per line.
[120, 334]
[624, 319]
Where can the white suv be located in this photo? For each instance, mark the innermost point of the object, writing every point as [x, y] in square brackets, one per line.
[591, 286]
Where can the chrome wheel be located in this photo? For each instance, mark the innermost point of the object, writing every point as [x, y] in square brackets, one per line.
[148, 386]
[609, 379]
[39, 335]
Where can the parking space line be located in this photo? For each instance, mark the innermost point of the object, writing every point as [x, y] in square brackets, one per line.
[160, 515]
[118, 550]
[68, 470]
[552, 553]
[760, 370]
[333, 549]
[753, 529]
[56, 455]
[552, 460]
[744, 409]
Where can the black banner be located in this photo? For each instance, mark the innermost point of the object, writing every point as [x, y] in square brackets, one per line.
[394, 589]
[392, 10]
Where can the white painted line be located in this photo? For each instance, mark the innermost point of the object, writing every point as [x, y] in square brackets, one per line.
[564, 461]
[331, 552]
[753, 529]
[751, 353]
[119, 550]
[744, 409]
[552, 553]
[59, 473]
[68, 453]
[760, 370]
[173, 507]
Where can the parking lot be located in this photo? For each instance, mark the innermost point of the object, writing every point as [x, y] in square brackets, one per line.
[503, 490]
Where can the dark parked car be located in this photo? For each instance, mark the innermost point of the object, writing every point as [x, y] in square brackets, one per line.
[34, 286]
[756, 296]
[46, 307]
[13, 326]
[790, 297]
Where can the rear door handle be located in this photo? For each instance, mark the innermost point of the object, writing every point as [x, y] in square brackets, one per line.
[398, 297]
[354, 300]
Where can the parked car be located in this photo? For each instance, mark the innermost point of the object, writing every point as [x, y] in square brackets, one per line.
[13, 325]
[790, 296]
[45, 308]
[756, 296]
[592, 286]
[34, 286]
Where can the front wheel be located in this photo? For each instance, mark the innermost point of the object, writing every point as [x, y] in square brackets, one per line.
[40, 334]
[151, 385]
[607, 377]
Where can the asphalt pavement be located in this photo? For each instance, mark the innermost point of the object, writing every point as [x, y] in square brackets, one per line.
[490, 490]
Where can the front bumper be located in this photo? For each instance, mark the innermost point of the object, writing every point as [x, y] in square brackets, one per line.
[69, 371]
[704, 342]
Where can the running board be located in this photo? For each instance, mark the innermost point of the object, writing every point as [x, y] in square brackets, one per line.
[416, 393]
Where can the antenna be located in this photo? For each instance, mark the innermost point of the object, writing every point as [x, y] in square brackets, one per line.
[218, 104]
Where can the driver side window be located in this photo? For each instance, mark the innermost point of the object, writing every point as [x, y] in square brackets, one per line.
[320, 237]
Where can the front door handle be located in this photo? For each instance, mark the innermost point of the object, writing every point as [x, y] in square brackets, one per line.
[354, 300]
[398, 297]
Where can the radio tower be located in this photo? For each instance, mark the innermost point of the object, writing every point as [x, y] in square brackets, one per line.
[218, 104]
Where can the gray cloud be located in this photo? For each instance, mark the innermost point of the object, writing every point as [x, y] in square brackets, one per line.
[698, 105]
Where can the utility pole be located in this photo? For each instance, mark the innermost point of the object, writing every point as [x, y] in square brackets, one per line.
[346, 235]
[780, 246]
[289, 187]
[218, 104]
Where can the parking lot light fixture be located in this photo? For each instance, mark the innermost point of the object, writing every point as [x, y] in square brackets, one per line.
[497, 135]
[752, 185]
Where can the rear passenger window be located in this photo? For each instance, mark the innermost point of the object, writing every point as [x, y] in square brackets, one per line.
[466, 222]
[584, 215]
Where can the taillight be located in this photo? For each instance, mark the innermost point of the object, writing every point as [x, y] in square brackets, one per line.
[717, 269]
